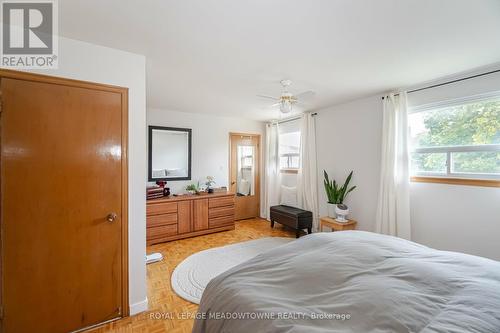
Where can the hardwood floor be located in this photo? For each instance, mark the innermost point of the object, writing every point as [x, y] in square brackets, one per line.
[167, 311]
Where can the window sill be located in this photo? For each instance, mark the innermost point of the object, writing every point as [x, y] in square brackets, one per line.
[289, 170]
[457, 181]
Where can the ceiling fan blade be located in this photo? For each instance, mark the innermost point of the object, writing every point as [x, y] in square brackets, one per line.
[268, 97]
[305, 95]
[275, 105]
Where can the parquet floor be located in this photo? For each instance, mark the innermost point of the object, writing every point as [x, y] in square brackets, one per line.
[167, 311]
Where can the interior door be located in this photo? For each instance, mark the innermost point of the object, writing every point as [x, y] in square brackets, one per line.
[245, 174]
[63, 204]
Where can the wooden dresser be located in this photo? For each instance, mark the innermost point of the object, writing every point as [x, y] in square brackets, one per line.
[189, 215]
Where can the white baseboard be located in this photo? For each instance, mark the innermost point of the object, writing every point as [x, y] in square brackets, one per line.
[139, 307]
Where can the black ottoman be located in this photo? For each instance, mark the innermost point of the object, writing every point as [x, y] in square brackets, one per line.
[292, 217]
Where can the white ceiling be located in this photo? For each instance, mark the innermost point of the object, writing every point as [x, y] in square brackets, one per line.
[214, 56]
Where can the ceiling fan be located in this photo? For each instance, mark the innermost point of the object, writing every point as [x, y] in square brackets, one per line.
[287, 99]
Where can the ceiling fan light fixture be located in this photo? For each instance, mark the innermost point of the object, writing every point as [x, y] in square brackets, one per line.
[285, 106]
[287, 99]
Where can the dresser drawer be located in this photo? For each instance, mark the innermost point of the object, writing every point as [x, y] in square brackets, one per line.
[220, 202]
[161, 231]
[221, 211]
[161, 208]
[220, 221]
[162, 219]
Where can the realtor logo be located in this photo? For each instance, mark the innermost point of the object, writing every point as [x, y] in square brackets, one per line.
[29, 34]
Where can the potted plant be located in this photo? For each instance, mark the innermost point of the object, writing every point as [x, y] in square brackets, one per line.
[193, 188]
[209, 183]
[336, 194]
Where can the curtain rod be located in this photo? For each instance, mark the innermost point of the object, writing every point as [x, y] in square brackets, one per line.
[449, 82]
[293, 118]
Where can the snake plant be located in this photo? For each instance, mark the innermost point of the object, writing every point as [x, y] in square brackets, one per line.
[336, 194]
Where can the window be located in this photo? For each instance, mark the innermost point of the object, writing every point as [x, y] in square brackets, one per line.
[289, 149]
[460, 140]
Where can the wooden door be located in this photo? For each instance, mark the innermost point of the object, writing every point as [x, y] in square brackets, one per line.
[245, 174]
[63, 203]
[200, 214]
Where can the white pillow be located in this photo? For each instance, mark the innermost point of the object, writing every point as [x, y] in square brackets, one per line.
[244, 187]
[288, 196]
[176, 172]
[159, 173]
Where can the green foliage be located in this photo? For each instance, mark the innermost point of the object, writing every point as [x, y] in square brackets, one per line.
[472, 124]
[193, 187]
[336, 194]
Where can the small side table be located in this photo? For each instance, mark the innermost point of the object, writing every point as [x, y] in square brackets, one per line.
[335, 225]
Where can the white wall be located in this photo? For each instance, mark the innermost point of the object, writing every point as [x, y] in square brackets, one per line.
[457, 218]
[480, 85]
[89, 62]
[452, 217]
[348, 137]
[210, 142]
[447, 217]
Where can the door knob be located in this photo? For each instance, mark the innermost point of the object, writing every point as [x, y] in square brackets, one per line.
[111, 217]
[232, 183]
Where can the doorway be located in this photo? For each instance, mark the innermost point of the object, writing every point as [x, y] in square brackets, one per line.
[244, 174]
[64, 203]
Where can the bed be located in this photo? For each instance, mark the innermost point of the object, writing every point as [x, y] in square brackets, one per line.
[354, 281]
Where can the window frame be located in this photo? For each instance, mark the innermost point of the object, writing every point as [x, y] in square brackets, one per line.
[290, 169]
[289, 156]
[449, 150]
[450, 177]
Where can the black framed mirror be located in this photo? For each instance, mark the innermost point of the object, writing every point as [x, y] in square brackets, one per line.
[169, 153]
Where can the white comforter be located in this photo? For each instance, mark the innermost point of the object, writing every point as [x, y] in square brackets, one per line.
[354, 281]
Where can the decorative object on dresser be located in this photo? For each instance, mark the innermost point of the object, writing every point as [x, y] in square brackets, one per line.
[292, 217]
[154, 192]
[161, 183]
[209, 184]
[335, 225]
[336, 194]
[188, 216]
[166, 191]
[193, 188]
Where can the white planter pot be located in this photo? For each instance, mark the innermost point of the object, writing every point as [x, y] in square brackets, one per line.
[331, 210]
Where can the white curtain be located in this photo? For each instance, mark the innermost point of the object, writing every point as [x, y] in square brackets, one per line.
[393, 210]
[307, 184]
[272, 185]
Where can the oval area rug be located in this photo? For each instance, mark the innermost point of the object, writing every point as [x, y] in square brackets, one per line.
[192, 275]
